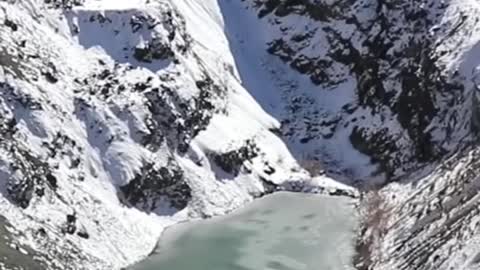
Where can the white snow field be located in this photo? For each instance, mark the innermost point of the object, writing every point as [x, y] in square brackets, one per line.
[284, 231]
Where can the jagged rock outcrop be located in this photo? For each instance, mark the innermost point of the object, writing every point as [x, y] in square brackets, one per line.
[233, 161]
[152, 187]
[428, 223]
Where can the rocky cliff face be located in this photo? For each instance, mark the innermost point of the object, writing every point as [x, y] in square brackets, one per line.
[119, 118]
[431, 223]
[410, 108]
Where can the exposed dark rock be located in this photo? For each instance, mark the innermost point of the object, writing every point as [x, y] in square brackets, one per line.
[52, 180]
[30, 177]
[269, 170]
[83, 234]
[155, 50]
[12, 25]
[63, 4]
[155, 187]
[50, 73]
[378, 146]
[394, 60]
[70, 226]
[233, 161]
[317, 10]
[42, 232]
[179, 121]
[447, 203]
[268, 186]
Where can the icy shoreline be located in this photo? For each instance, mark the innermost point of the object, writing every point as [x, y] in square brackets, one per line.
[172, 233]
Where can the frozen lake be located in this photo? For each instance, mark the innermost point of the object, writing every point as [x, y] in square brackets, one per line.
[284, 231]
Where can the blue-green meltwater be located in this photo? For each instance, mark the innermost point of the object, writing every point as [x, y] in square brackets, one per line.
[284, 231]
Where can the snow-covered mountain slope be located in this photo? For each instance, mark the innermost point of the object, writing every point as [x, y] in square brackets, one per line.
[121, 117]
[431, 223]
[389, 77]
